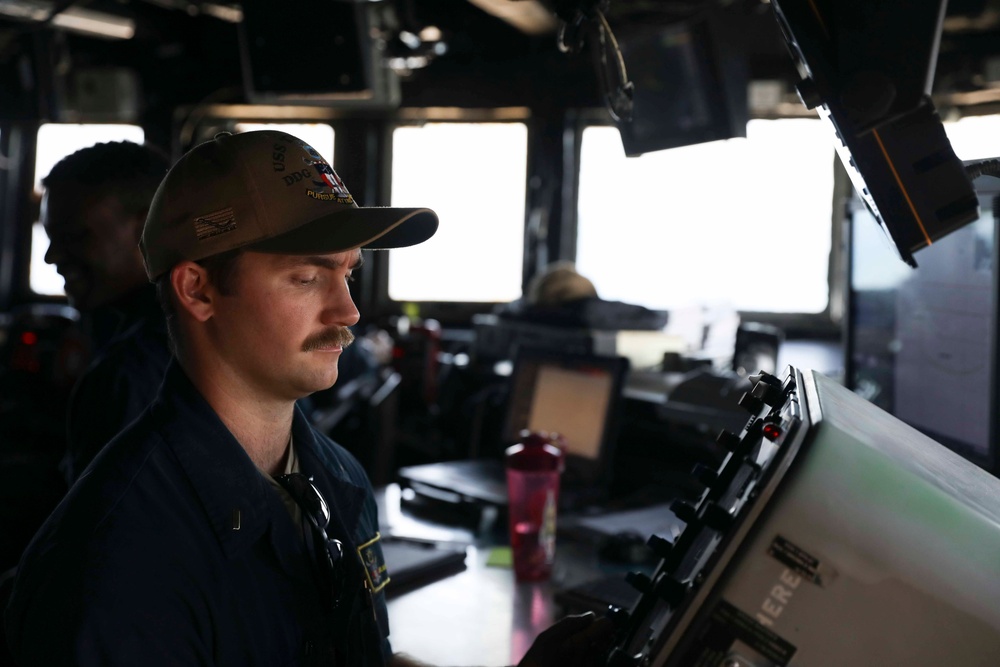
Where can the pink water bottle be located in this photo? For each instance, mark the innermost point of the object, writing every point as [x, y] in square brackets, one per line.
[533, 467]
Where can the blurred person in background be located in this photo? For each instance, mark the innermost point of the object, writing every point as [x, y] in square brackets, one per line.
[93, 209]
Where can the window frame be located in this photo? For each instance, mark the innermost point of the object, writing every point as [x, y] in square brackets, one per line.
[363, 155]
[826, 324]
[17, 143]
[455, 314]
[35, 199]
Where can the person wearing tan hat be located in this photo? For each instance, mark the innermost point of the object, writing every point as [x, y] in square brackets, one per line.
[220, 528]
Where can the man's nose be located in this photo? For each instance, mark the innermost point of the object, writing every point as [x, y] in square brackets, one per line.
[54, 252]
[340, 308]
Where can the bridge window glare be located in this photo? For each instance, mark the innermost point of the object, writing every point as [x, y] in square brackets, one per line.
[975, 137]
[473, 175]
[742, 223]
[54, 142]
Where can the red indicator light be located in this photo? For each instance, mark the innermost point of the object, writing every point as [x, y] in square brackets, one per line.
[772, 431]
[29, 338]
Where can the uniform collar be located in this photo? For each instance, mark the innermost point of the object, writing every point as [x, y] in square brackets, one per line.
[238, 501]
[344, 498]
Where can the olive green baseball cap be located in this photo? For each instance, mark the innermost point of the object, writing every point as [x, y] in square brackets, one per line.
[270, 192]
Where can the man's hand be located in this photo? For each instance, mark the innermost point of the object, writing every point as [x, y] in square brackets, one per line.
[580, 641]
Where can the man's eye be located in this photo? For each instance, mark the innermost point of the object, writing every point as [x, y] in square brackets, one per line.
[350, 278]
[306, 280]
[68, 238]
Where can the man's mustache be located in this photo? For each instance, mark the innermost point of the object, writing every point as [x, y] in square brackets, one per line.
[341, 336]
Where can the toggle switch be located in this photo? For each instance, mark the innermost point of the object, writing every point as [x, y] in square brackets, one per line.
[729, 440]
[752, 404]
[659, 546]
[684, 511]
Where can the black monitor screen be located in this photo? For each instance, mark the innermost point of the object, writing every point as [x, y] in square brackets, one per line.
[921, 343]
[332, 56]
[689, 86]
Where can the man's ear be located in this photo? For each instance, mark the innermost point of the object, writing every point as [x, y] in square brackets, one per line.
[193, 290]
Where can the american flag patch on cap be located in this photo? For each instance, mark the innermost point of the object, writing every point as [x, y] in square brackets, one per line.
[213, 224]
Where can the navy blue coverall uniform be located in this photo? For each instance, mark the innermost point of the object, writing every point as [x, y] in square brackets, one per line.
[174, 549]
[121, 381]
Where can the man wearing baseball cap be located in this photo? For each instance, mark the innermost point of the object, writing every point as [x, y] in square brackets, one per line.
[220, 528]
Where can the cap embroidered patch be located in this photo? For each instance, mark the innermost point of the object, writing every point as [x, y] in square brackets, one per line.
[213, 224]
[375, 569]
[328, 179]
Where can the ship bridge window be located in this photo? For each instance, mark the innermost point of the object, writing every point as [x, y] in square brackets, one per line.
[975, 137]
[473, 175]
[742, 223]
[54, 142]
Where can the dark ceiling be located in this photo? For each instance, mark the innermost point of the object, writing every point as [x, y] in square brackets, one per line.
[183, 53]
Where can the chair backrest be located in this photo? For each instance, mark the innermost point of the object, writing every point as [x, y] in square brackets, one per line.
[382, 417]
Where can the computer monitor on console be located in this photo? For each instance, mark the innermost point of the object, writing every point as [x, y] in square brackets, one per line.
[578, 396]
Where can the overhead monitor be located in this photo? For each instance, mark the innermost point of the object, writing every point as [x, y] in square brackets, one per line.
[922, 345]
[336, 61]
[868, 68]
[690, 85]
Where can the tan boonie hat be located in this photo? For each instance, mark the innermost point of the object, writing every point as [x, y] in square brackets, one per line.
[269, 192]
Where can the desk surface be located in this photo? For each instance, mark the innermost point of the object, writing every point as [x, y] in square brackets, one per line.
[476, 617]
[479, 616]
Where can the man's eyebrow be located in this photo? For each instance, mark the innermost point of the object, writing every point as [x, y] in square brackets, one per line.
[325, 262]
